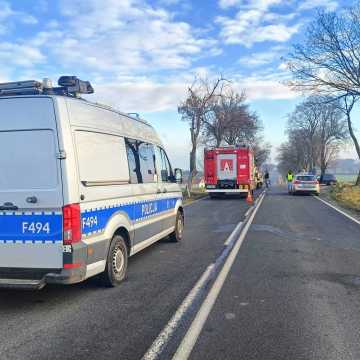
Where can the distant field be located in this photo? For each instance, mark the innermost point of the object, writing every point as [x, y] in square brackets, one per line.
[346, 178]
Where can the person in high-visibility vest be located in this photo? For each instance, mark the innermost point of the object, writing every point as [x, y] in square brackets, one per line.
[290, 178]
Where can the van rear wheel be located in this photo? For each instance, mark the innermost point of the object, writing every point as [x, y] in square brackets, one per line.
[116, 263]
[177, 235]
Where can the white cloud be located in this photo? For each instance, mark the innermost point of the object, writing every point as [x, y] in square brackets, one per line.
[19, 55]
[329, 5]
[259, 4]
[261, 58]
[257, 88]
[224, 4]
[141, 96]
[255, 23]
[121, 37]
[7, 13]
[145, 95]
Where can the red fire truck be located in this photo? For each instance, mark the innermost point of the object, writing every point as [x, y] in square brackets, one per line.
[229, 170]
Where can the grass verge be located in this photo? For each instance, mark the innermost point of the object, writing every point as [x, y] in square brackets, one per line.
[347, 195]
[195, 195]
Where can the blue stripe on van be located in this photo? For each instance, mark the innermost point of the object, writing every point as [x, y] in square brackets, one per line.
[30, 228]
[95, 220]
[47, 227]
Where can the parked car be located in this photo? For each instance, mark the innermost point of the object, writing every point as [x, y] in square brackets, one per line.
[305, 184]
[328, 179]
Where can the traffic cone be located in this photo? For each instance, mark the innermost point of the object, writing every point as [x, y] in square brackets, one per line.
[249, 198]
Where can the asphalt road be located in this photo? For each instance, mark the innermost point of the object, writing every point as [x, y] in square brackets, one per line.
[86, 321]
[294, 289]
[293, 292]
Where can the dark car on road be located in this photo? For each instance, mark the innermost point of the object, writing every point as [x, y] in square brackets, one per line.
[328, 179]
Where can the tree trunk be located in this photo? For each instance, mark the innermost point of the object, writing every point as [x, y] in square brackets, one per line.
[356, 143]
[358, 179]
[323, 164]
[193, 170]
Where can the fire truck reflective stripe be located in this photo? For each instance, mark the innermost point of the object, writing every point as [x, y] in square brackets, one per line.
[95, 220]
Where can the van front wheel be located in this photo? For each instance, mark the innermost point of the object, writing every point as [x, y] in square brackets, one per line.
[177, 235]
[116, 263]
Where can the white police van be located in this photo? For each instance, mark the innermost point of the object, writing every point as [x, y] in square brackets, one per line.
[82, 186]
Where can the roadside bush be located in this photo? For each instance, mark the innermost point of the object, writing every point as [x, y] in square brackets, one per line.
[347, 195]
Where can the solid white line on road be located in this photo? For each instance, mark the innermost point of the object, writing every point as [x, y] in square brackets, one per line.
[159, 343]
[189, 341]
[248, 212]
[337, 209]
[232, 235]
[163, 338]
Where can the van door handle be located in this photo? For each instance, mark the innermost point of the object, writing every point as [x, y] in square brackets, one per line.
[158, 191]
[32, 200]
[165, 191]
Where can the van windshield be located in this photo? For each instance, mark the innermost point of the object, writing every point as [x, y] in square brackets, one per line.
[27, 160]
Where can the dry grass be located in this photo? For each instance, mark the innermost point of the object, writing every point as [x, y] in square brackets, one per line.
[347, 195]
[195, 195]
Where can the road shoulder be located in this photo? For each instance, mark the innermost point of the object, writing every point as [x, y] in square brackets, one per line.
[325, 195]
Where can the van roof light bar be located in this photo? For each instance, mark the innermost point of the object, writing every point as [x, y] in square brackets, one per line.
[75, 86]
[68, 86]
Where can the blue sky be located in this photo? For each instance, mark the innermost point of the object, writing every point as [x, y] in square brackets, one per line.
[141, 55]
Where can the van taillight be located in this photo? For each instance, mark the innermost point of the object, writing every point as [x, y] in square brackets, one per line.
[71, 224]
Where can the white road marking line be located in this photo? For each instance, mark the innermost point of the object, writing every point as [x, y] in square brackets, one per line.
[230, 238]
[171, 326]
[338, 210]
[189, 340]
[162, 339]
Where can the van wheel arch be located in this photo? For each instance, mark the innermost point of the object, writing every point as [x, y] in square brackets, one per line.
[181, 209]
[125, 234]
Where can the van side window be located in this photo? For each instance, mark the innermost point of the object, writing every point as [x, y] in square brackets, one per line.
[133, 161]
[147, 162]
[141, 159]
[165, 167]
[102, 158]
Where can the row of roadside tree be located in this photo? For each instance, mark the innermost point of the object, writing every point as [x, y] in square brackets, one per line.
[316, 131]
[218, 115]
[325, 67]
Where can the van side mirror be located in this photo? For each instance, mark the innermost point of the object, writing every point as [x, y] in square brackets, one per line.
[178, 176]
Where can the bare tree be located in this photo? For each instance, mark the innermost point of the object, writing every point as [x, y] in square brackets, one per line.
[230, 120]
[287, 158]
[262, 151]
[316, 130]
[194, 110]
[306, 118]
[244, 125]
[294, 154]
[328, 62]
[331, 132]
